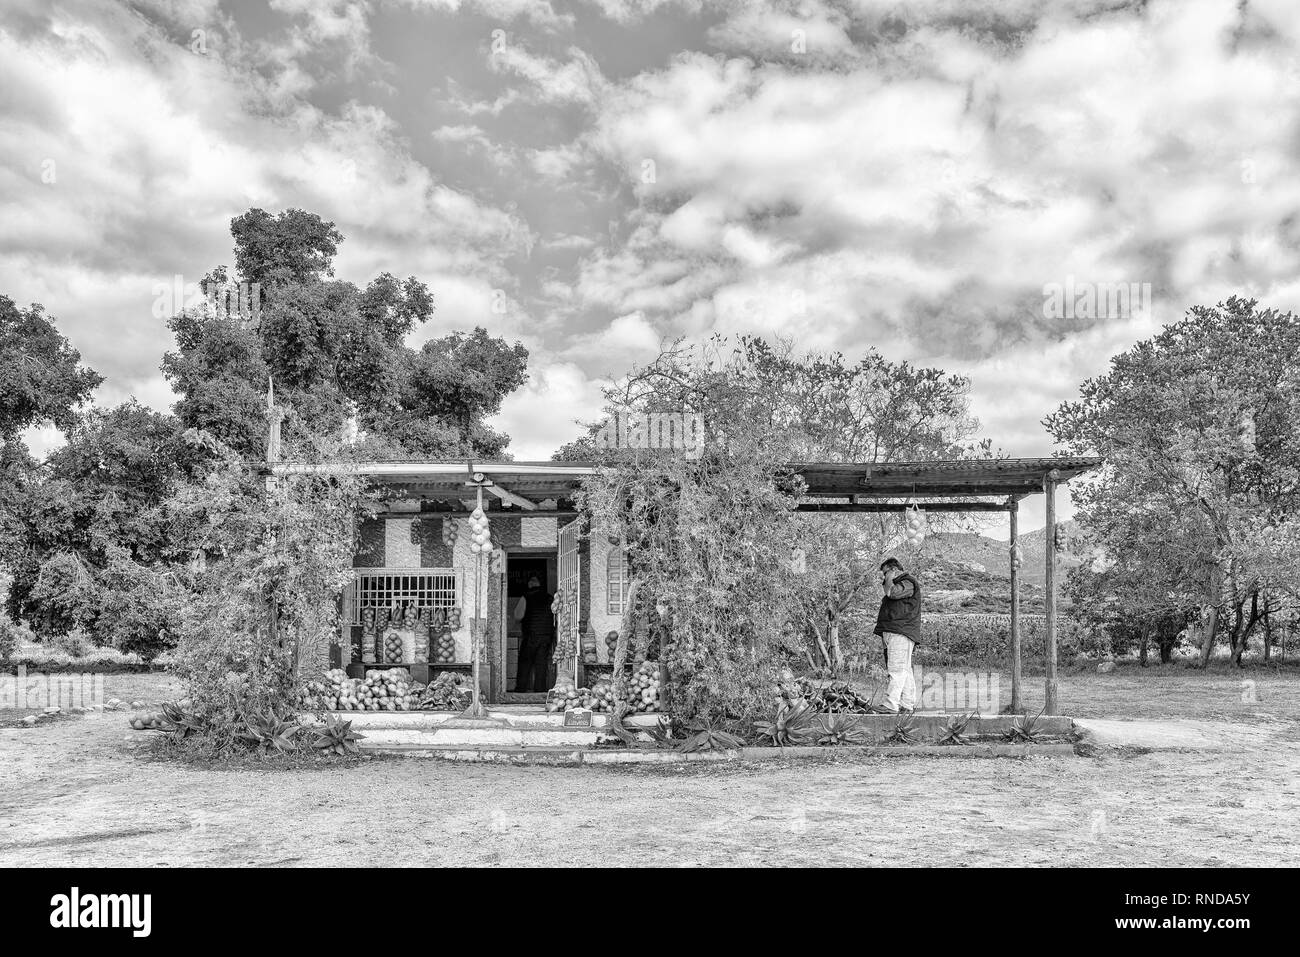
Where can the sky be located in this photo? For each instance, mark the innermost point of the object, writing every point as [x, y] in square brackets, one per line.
[594, 178]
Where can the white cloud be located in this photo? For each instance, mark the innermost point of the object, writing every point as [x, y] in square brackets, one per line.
[542, 415]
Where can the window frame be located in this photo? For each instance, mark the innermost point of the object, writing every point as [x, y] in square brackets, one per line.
[399, 594]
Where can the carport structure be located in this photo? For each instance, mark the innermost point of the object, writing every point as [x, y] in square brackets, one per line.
[959, 485]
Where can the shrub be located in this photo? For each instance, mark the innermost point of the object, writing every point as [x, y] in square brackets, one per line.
[12, 637]
[75, 643]
[986, 639]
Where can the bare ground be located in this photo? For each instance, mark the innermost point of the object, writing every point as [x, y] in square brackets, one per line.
[86, 791]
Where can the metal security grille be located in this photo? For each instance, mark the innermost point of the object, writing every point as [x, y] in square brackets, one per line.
[399, 587]
[616, 567]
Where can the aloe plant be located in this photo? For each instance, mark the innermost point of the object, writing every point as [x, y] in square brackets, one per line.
[181, 722]
[1024, 728]
[269, 730]
[954, 732]
[791, 725]
[337, 737]
[904, 732]
[839, 729]
[707, 736]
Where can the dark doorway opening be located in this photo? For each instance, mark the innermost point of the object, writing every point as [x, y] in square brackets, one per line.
[520, 567]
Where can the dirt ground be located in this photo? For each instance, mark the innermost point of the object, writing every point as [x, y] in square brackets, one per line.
[85, 791]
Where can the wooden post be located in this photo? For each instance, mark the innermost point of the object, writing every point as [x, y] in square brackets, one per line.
[274, 415]
[1049, 587]
[1013, 509]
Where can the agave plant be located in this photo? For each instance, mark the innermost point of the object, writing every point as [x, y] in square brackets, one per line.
[904, 732]
[336, 736]
[269, 730]
[180, 721]
[954, 732]
[1024, 728]
[706, 736]
[790, 726]
[841, 729]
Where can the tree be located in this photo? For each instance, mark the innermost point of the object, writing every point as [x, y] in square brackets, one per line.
[813, 407]
[92, 514]
[293, 246]
[1200, 427]
[41, 376]
[709, 533]
[254, 616]
[333, 351]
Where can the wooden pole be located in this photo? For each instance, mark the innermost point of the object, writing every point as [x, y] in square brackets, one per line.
[1049, 587]
[1013, 510]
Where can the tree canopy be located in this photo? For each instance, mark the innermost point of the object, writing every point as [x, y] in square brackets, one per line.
[1200, 427]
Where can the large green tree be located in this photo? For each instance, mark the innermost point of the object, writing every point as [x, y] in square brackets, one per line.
[811, 406]
[334, 349]
[1200, 427]
[41, 376]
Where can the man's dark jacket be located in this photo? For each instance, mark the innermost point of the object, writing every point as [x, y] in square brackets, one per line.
[902, 616]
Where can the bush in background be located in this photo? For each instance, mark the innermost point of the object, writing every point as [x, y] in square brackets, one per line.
[986, 639]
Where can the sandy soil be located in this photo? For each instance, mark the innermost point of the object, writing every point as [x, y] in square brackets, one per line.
[84, 791]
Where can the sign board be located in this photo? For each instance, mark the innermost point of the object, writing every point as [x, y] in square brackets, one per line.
[577, 718]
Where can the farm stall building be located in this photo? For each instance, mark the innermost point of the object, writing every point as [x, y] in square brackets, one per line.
[416, 559]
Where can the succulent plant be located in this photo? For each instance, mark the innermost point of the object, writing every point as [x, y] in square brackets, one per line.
[954, 732]
[839, 729]
[337, 737]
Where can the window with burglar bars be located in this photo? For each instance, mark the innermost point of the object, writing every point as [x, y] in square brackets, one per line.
[616, 576]
[399, 587]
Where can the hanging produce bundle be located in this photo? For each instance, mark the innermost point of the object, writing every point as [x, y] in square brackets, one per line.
[444, 649]
[915, 528]
[480, 532]
[1017, 556]
[449, 532]
[368, 635]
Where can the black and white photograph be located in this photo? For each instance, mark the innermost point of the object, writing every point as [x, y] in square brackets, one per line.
[648, 434]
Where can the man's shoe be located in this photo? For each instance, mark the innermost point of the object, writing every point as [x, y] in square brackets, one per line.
[876, 709]
[902, 710]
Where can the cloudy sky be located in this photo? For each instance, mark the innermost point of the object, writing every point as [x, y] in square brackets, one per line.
[593, 177]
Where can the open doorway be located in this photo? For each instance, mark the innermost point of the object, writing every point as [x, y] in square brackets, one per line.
[521, 568]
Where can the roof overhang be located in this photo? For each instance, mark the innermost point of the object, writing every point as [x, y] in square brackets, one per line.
[866, 486]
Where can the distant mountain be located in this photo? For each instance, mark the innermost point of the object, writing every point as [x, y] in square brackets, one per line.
[968, 572]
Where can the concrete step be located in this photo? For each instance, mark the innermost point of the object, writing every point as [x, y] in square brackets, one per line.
[523, 728]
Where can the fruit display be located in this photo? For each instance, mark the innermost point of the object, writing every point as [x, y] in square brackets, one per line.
[454, 618]
[393, 648]
[611, 644]
[443, 651]
[450, 691]
[642, 693]
[566, 695]
[643, 690]
[387, 689]
[449, 532]
[149, 721]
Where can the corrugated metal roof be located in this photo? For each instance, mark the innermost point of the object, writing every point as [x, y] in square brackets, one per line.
[942, 478]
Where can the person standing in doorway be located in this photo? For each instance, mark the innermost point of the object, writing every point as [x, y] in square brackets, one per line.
[899, 626]
[537, 637]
